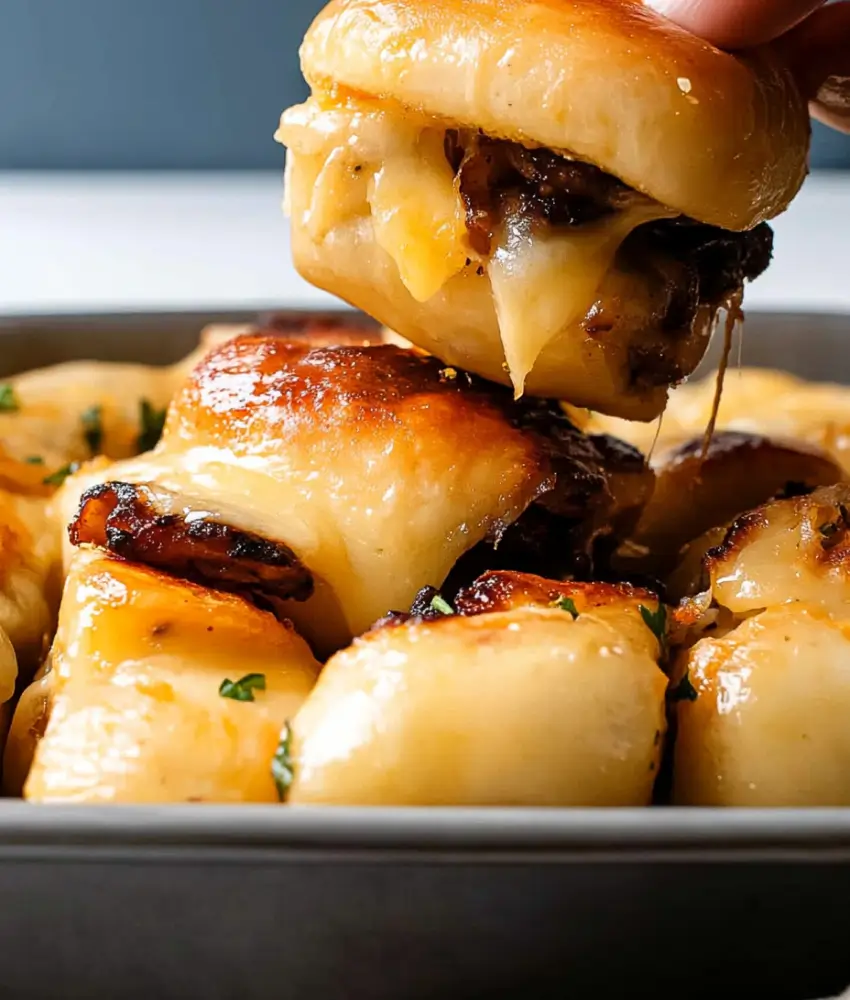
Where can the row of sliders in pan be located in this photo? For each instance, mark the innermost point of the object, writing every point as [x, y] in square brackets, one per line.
[370, 572]
[310, 480]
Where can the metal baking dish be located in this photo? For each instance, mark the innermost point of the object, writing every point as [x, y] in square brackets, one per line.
[253, 902]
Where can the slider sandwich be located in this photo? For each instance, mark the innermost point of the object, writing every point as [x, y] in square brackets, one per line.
[557, 195]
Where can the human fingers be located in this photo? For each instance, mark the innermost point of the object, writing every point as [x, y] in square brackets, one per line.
[818, 51]
[734, 24]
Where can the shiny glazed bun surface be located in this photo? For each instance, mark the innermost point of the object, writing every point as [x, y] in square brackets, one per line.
[699, 488]
[513, 700]
[467, 175]
[135, 713]
[762, 695]
[334, 483]
[716, 136]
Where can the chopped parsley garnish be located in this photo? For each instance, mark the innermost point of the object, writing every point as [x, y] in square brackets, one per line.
[243, 689]
[8, 400]
[684, 690]
[151, 423]
[656, 622]
[34, 460]
[60, 475]
[93, 428]
[441, 605]
[283, 766]
[568, 604]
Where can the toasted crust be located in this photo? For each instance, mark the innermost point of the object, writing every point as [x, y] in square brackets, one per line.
[501, 591]
[516, 704]
[354, 476]
[696, 491]
[768, 724]
[133, 696]
[720, 137]
[137, 523]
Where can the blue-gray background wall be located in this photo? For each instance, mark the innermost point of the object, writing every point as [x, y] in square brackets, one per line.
[157, 84]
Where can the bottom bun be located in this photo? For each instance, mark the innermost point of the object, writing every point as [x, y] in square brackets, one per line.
[620, 362]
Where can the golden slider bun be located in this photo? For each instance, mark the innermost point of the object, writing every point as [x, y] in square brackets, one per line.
[697, 489]
[717, 136]
[459, 324]
[135, 713]
[768, 726]
[513, 700]
[28, 725]
[366, 472]
[763, 695]
[30, 553]
[815, 412]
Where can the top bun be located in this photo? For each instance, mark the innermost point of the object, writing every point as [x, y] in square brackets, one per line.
[720, 137]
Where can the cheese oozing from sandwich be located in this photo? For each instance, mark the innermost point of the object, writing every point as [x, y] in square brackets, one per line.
[363, 163]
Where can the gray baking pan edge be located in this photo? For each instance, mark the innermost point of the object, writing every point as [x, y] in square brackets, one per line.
[815, 835]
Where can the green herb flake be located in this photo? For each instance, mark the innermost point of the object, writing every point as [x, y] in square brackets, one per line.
[441, 605]
[830, 529]
[60, 475]
[684, 690]
[8, 400]
[568, 604]
[151, 424]
[656, 622]
[243, 689]
[34, 460]
[283, 765]
[92, 421]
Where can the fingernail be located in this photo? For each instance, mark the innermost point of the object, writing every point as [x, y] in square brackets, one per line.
[834, 94]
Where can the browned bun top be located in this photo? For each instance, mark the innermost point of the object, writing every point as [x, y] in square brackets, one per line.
[262, 397]
[501, 591]
[717, 136]
[260, 393]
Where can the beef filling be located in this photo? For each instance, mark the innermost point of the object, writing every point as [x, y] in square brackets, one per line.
[495, 175]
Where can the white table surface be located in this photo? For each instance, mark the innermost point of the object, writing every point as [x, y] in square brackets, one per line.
[131, 242]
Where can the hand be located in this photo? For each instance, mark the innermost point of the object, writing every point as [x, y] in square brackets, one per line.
[814, 38]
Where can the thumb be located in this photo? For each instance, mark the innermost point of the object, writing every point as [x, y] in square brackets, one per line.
[736, 24]
[818, 52]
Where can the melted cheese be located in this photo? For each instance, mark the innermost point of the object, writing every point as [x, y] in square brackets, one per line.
[136, 710]
[391, 167]
[418, 216]
[375, 518]
[543, 280]
[366, 161]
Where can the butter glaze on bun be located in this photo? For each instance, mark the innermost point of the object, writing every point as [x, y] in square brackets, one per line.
[720, 137]
[557, 196]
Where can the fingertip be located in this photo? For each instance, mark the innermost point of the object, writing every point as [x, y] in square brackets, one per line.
[736, 24]
[818, 53]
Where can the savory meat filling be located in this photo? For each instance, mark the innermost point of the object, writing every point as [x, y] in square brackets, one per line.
[493, 173]
[691, 263]
[522, 265]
